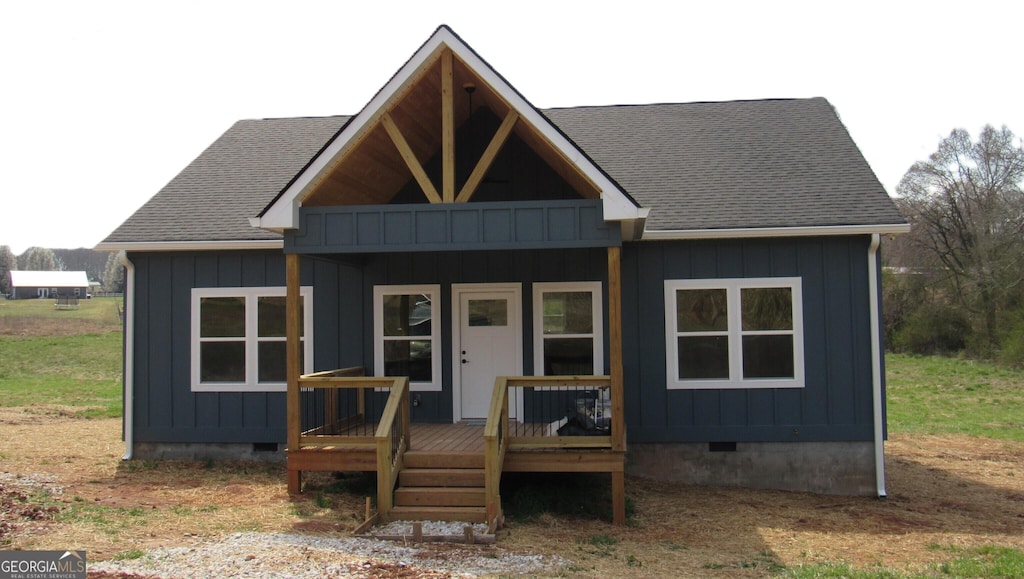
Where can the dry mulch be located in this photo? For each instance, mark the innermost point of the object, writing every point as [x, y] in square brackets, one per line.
[944, 491]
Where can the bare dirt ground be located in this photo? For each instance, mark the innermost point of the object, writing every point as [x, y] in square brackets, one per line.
[944, 492]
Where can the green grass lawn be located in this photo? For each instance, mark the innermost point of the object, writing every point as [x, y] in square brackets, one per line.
[61, 357]
[933, 395]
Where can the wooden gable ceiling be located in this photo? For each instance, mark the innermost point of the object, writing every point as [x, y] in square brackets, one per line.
[373, 169]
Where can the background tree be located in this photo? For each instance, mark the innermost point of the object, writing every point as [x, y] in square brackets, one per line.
[113, 275]
[38, 259]
[966, 207]
[8, 263]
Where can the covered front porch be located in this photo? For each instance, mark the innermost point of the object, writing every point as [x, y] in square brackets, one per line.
[345, 420]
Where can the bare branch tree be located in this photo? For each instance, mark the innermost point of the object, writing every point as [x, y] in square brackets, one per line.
[966, 204]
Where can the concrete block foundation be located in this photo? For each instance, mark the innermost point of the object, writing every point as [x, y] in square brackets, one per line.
[839, 468]
[263, 452]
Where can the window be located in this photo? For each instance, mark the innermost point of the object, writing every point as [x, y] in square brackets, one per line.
[567, 329]
[238, 338]
[407, 329]
[734, 333]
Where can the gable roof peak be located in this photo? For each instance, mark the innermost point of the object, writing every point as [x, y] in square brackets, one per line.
[282, 212]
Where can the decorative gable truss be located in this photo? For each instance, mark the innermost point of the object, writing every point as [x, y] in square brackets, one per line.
[414, 120]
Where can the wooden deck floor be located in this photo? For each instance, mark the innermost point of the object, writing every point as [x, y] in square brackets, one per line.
[460, 437]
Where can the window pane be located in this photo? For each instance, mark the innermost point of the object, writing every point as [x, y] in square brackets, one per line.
[410, 358]
[488, 312]
[222, 362]
[701, 310]
[703, 357]
[768, 357]
[272, 317]
[568, 313]
[273, 361]
[569, 357]
[769, 308]
[406, 315]
[222, 317]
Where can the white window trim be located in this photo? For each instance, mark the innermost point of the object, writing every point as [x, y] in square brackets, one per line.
[251, 295]
[735, 333]
[541, 288]
[434, 291]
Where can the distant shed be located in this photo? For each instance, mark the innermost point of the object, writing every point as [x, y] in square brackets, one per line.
[49, 284]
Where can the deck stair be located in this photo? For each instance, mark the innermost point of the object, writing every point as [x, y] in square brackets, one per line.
[441, 486]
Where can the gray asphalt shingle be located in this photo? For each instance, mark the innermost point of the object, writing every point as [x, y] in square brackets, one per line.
[739, 164]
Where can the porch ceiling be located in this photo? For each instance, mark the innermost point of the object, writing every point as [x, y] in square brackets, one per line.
[372, 170]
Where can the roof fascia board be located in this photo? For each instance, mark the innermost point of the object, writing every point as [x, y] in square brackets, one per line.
[816, 231]
[240, 244]
[283, 212]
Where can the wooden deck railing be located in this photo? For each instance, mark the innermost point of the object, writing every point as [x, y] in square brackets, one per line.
[562, 412]
[495, 446]
[551, 412]
[392, 441]
[339, 410]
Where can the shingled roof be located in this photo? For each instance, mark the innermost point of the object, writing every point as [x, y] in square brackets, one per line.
[213, 198]
[733, 165]
[697, 166]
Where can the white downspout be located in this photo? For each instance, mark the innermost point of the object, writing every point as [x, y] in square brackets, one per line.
[876, 364]
[129, 354]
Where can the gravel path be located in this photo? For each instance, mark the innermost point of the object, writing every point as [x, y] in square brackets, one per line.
[257, 555]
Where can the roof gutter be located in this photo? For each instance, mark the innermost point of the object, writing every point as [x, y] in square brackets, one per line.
[814, 231]
[876, 364]
[199, 245]
[129, 355]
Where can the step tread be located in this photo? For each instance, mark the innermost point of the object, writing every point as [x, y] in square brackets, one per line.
[430, 459]
[441, 477]
[467, 514]
[440, 496]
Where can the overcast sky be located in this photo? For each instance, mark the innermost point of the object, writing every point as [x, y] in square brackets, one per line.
[103, 102]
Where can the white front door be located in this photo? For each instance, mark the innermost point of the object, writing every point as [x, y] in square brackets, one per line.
[488, 343]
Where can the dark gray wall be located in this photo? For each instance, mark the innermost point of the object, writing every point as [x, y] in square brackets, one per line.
[835, 404]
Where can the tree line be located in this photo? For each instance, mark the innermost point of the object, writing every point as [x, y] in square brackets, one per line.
[99, 266]
[955, 284]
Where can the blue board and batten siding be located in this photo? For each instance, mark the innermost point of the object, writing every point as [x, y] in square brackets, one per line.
[165, 408]
[835, 404]
[452, 227]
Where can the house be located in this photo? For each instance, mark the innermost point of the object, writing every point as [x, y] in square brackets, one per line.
[455, 281]
[49, 284]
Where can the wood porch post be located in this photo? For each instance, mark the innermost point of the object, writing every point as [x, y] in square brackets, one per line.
[615, 363]
[293, 321]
